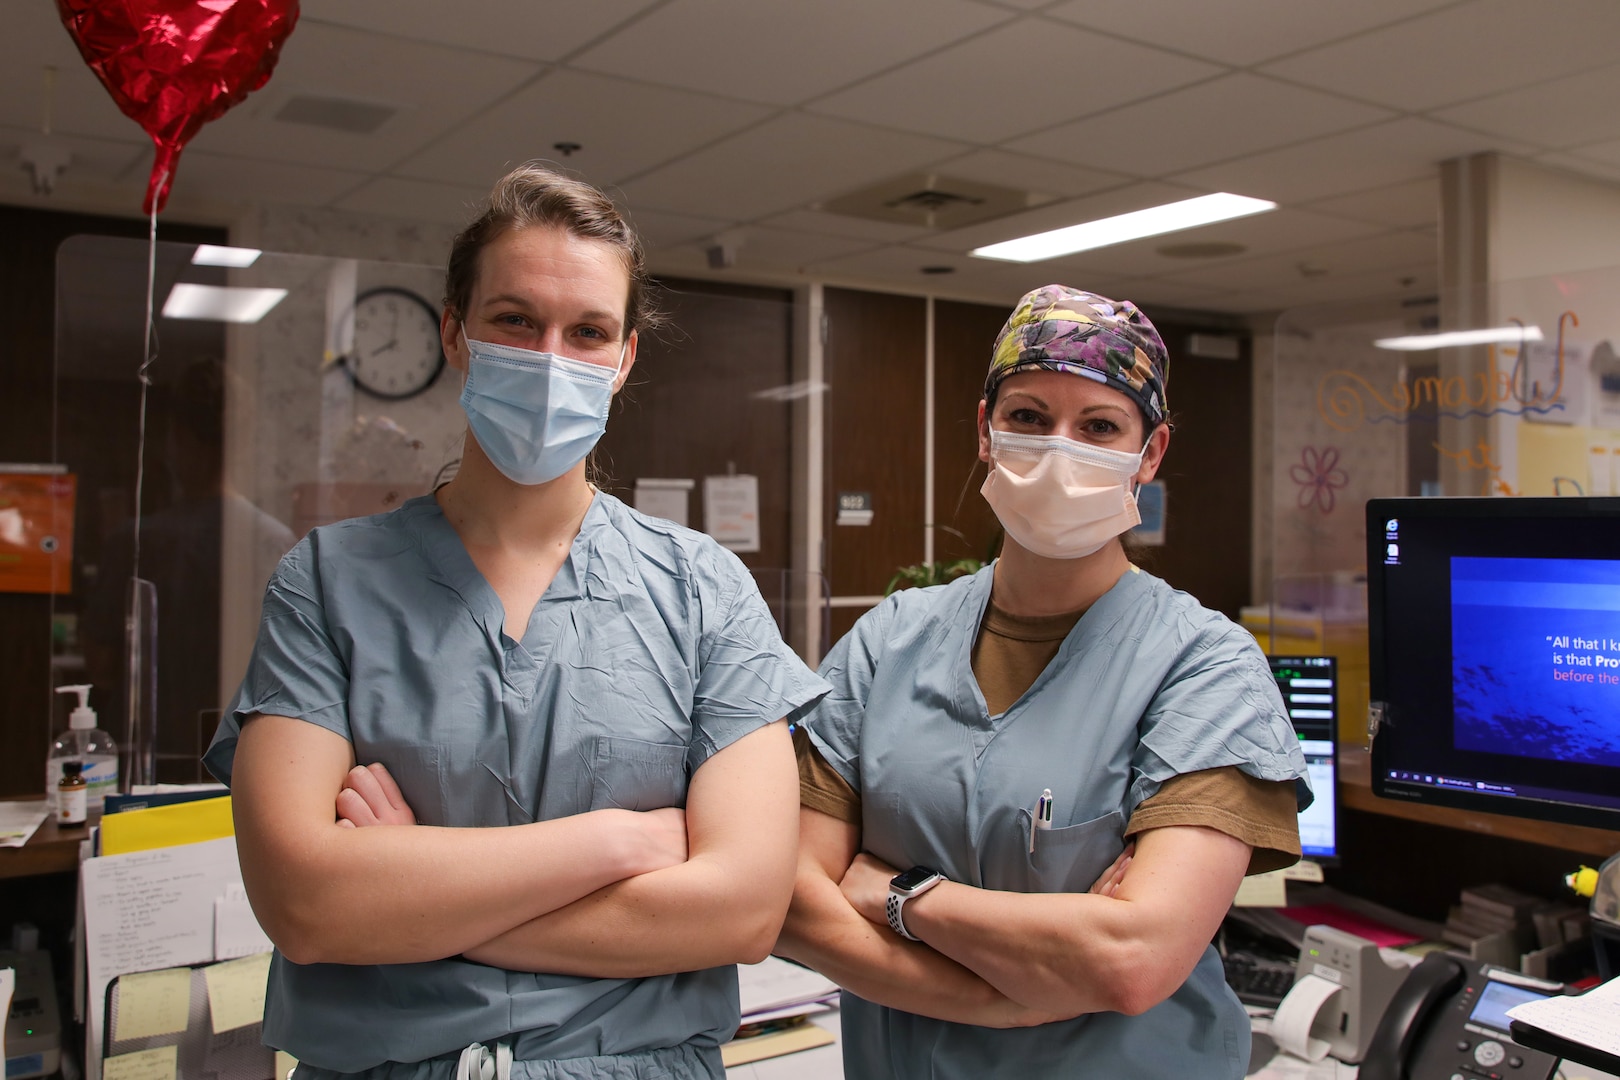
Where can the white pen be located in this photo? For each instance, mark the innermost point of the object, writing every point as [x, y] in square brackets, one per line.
[1042, 818]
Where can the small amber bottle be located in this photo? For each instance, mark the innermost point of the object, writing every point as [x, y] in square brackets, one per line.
[71, 794]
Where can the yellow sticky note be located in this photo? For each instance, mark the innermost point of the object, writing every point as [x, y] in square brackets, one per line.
[285, 1064]
[152, 1003]
[1263, 890]
[158, 1064]
[236, 991]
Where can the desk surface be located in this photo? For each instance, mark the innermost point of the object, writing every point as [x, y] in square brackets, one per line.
[52, 849]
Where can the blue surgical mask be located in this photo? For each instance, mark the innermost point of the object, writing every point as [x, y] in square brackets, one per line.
[535, 415]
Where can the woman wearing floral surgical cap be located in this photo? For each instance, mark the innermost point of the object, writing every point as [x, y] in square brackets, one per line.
[995, 749]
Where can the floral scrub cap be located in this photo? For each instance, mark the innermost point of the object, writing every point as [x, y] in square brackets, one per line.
[1057, 328]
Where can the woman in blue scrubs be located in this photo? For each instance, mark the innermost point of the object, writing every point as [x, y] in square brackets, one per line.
[523, 651]
[992, 746]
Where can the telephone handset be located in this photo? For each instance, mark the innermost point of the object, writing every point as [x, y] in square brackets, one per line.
[1449, 1018]
[1435, 980]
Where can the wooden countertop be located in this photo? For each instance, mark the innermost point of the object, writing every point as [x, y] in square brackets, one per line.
[1355, 791]
[52, 849]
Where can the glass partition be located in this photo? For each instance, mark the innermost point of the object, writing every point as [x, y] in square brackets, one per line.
[289, 391]
[1508, 390]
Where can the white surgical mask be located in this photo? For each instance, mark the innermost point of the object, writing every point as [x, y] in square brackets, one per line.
[1060, 498]
[535, 415]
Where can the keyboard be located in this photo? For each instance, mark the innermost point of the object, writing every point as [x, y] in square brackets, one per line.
[1258, 981]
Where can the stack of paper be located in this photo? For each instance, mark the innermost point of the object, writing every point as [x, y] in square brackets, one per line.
[18, 820]
[778, 997]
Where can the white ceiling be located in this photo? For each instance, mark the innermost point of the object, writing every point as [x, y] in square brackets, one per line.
[743, 116]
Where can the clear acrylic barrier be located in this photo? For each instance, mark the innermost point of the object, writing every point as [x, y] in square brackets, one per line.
[259, 430]
[1362, 414]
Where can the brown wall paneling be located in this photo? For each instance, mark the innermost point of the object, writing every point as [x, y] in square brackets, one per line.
[963, 336]
[1206, 473]
[875, 352]
[690, 408]
[27, 311]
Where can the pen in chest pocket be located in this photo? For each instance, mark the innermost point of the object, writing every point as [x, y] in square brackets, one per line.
[1042, 818]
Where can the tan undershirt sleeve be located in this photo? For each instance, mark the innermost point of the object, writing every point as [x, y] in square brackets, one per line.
[1261, 813]
[820, 786]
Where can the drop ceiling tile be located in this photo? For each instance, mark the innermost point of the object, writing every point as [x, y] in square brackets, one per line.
[1351, 258]
[1259, 234]
[1241, 32]
[1150, 295]
[102, 160]
[1058, 215]
[1399, 282]
[784, 250]
[210, 176]
[623, 128]
[1036, 174]
[1400, 150]
[659, 230]
[1214, 121]
[1562, 113]
[432, 87]
[782, 53]
[1014, 79]
[1462, 52]
[392, 196]
[1406, 205]
[789, 161]
[531, 29]
[901, 267]
[1601, 161]
[34, 40]
[820, 221]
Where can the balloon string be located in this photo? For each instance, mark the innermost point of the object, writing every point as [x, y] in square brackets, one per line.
[148, 356]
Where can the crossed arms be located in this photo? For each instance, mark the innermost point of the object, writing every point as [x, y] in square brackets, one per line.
[605, 894]
[1002, 959]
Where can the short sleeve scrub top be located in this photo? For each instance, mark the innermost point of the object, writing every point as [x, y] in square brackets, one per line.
[1148, 685]
[650, 651]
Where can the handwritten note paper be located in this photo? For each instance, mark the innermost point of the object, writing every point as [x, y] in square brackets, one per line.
[236, 931]
[1592, 1019]
[148, 910]
[1263, 890]
[158, 1064]
[152, 1003]
[236, 991]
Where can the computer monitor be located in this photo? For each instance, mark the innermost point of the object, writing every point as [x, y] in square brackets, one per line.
[1310, 689]
[1494, 662]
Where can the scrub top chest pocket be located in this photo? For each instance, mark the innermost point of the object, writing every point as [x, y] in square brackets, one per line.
[1068, 859]
[629, 774]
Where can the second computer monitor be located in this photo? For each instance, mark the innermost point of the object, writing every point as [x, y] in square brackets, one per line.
[1310, 689]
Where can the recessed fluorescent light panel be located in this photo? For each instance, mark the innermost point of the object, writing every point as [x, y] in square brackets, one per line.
[1456, 338]
[213, 255]
[1171, 217]
[221, 303]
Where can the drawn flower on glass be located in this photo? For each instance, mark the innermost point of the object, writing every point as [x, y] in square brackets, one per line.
[1318, 475]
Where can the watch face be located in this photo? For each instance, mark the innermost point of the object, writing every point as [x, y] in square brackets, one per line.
[396, 350]
[912, 878]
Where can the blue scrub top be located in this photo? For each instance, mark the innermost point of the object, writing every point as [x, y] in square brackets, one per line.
[650, 651]
[1148, 685]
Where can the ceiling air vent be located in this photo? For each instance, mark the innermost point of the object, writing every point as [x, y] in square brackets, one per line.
[355, 117]
[932, 201]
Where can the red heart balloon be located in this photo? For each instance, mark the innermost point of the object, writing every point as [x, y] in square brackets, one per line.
[174, 65]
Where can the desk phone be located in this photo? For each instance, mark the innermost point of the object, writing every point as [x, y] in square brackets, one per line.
[1448, 1021]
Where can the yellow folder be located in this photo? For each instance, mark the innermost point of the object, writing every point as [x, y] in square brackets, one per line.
[166, 826]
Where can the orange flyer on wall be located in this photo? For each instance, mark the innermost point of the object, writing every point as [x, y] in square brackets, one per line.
[36, 531]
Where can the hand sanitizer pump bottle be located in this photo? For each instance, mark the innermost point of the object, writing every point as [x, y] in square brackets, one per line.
[92, 748]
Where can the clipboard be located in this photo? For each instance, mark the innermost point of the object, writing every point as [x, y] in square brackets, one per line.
[1540, 1039]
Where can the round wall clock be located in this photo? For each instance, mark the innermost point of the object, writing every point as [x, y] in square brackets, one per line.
[397, 353]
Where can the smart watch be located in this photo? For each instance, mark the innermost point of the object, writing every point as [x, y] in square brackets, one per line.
[908, 886]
